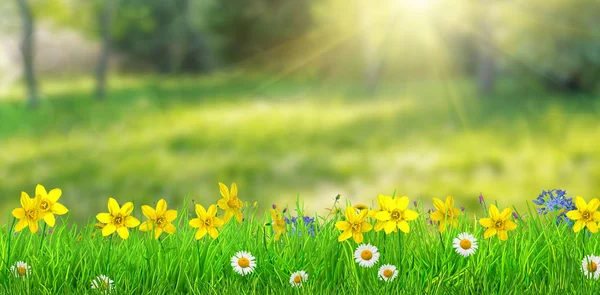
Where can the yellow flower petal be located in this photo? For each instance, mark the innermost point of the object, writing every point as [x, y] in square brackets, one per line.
[579, 224]
[25, 200]
[403, 226]
[200, 233]
[592, 226]
[449, 202]
[169, 228]
[113, 207]
[108, 229]
[580, 204]
[146, 226]
[104, 217]
[401, 203]
[33, 225]
[574, 215]
[131, 221]
[350, 214]
[439, 205]
[442, 227]
[358, 237]
[19, 213]
[342, 225]
[40, 191]
[196, 223]
[383, 215]
[494, 213]
[58, 209]
[510, 225]
[345, 235]
[224, 190]
[228, 215]
[410, 215]
[218, 222]
[489, 232]
[161, 207]
[21, 225]
[223, 204]
[54, 195]
[171, 215]
[389, 227]
[212, 210]
[437, 216]
[505, 214]
[238, 215]
[234, 191]
[200, 211]
[502, 235]
[365, 227]
[157, 232]
[127, 209]
[123, 232]
[213, 233]
[380, 225]
[49, 219]
[596, 216]
[486, 222]
[593, 205]
[149, 212]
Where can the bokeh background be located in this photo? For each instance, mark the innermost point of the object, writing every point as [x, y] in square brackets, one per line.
[148, 99]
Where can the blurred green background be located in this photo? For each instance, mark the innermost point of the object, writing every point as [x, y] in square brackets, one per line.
[148, 99]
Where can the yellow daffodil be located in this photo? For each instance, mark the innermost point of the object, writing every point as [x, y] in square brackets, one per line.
[585, 215]
[278, 223]
[354, 226]
[207, 222]
[159, 220]
[394, 214]
[118, 219]
[28, 215]
[373, 213]
[446, 213]
[498, 223]
[49, 204]
[230, 202]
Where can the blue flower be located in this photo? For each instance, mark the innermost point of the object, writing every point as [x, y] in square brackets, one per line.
[309, 223]
[555, 200]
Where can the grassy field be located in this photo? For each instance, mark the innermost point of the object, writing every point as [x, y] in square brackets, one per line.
[167, 137]
[537, 258]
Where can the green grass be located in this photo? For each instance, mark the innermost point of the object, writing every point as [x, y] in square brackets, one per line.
[164, 137]
[538, 258]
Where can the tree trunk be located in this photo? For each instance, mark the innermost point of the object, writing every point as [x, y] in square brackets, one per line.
[485, 57]
[27, 49]
[105, 25]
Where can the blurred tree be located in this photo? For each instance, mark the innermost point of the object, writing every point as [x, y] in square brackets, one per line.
[105, 26]
[28, 51]
[245, 28]
[558, 40]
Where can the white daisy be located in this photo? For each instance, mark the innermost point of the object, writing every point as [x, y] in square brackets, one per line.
[590, 266]
[387, 272]
[298, 278]
[465, 244]
[21, 269]
[103, 283]
[366, 255]
[243, 262]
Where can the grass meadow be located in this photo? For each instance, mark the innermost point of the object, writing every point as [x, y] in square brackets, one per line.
[538, 258]
[174, 136]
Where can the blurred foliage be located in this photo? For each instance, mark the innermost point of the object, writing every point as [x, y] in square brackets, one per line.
[555, 38]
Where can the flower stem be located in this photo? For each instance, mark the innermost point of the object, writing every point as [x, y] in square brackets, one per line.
[43, 235]
[108, 256]
[10, 233]
[442, 241]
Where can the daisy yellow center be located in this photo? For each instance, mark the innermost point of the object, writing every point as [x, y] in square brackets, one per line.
[297, 279]
[243, 262]
[396, 214]
[105, 285]
[119, 220]
[44, 205]
[586, 215]
[160, 221]
[366, 255]
[465, 244]
[592, 266]
[387, 273]
[21, 270]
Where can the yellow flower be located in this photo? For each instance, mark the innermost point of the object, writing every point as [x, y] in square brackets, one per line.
[354, 226]
[28, 215]
[49, 204]
[498, 223]
[230, 202]
[278, 223]
[159, 220]
[585, 215]
[118, 219]
[207, 222]
[394, 214]
[446, 213]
